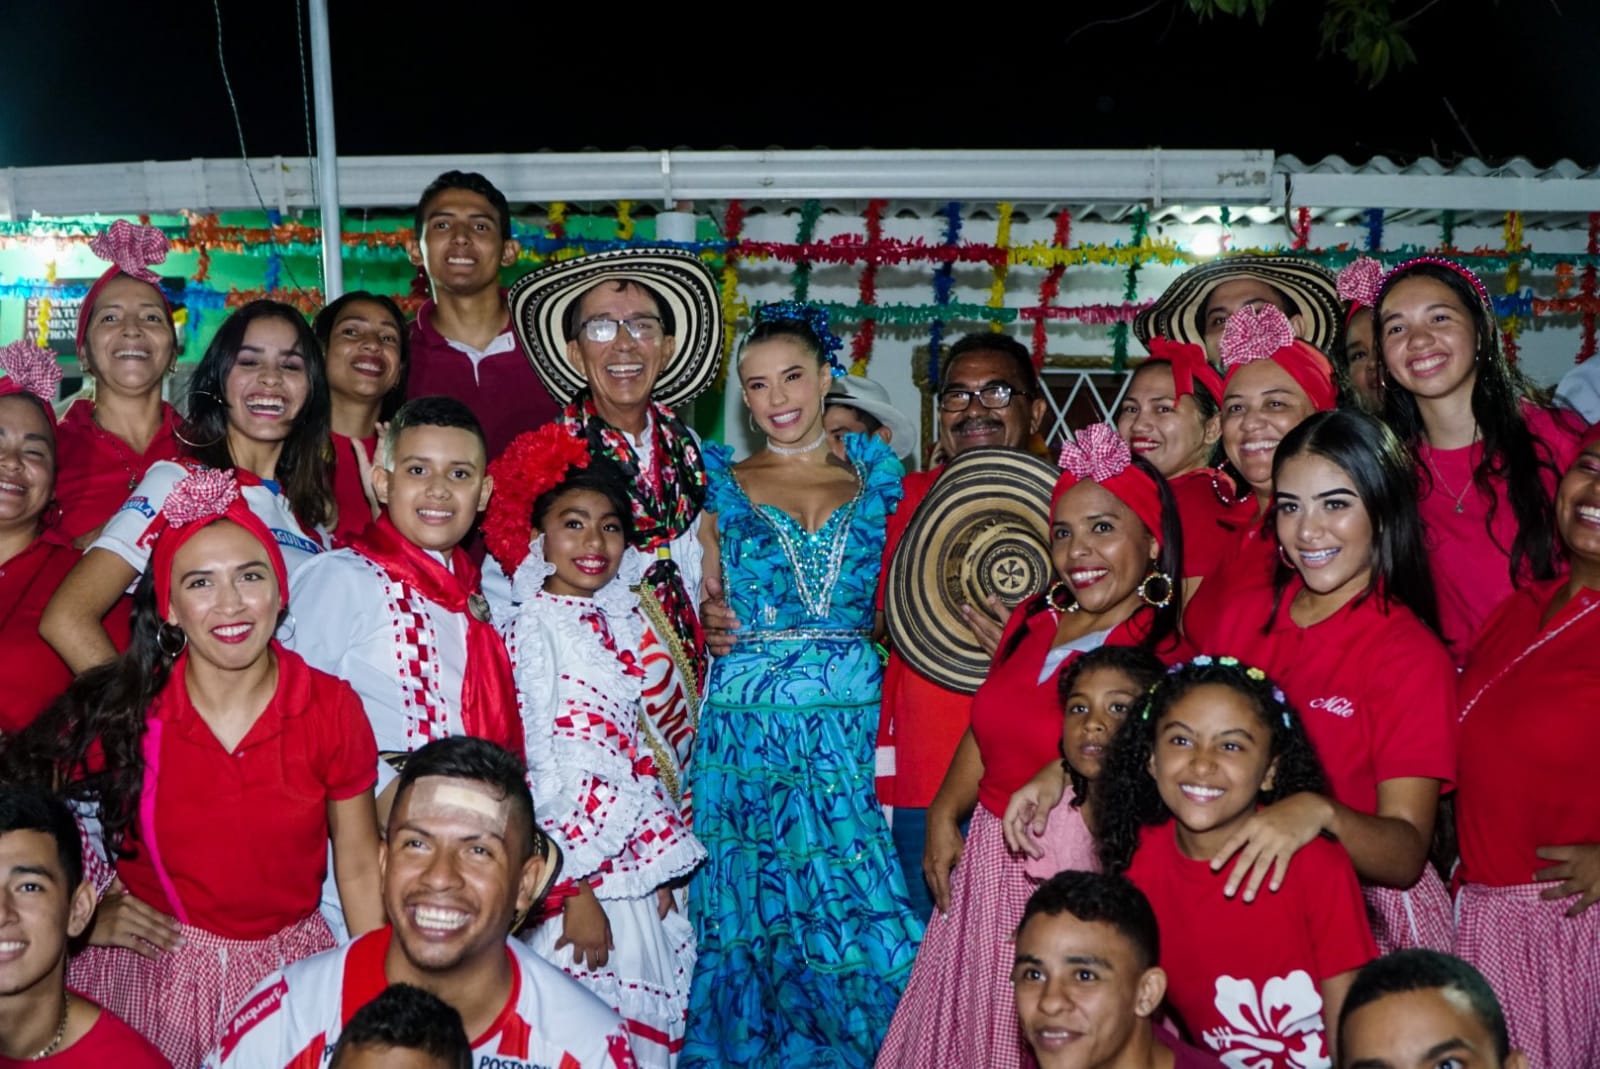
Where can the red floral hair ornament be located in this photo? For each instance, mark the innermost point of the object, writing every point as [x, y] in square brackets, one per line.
[534, 463]
[27, 368]
[1262, 332]
[195, 501]
[131, 250]
[1098, 454]
[1358, 283]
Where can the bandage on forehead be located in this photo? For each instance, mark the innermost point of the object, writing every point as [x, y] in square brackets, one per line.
[455, 799]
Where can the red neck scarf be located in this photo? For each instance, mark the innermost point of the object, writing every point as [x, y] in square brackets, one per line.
[488, 691]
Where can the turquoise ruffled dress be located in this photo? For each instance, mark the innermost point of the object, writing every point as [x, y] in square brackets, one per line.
[806, 936]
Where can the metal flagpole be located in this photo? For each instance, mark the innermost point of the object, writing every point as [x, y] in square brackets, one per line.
[327, 153]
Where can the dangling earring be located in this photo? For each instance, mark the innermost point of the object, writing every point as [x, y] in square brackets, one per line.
[164, 640]
[1059, 597]
[750, 418]
[286, 621]
[1164, 586]
[1283, 555]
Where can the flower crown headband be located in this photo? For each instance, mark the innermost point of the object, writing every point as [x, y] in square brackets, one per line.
[815, 317]
[533, 464]
[29, 369]
[1099, 454]
[1233, 663]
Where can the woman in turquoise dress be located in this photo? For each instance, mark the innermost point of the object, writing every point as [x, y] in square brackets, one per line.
[805, 933]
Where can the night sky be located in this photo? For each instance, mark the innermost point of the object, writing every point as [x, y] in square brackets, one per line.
[106, 82]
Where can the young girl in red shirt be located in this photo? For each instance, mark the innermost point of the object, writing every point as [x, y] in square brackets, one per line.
[218, 766]
[1254, 981]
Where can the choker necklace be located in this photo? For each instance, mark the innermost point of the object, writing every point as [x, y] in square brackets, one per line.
[797, 450]
[61, 1030]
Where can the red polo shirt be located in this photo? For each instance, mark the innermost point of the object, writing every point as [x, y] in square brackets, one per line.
[1248, 565]
[243, 835]
[1211, 524]
[107, 1042]
[96, 470]
[501, 388]
[348, 493]
[1528, 742]
[1375, 687]
[924, 720]
[34, 673]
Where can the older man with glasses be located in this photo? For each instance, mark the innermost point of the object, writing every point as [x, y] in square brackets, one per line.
[619, 338]
[989, 397]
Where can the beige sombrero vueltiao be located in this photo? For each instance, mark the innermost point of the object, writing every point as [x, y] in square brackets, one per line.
[539, 303]
[983, 529]
[1176, 313]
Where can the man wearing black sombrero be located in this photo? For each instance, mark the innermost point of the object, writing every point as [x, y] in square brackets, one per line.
[619, 338]
[1198, 302]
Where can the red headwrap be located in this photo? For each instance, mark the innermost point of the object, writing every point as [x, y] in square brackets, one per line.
[131, 250]
[199, 499]
[1098, 453]
[1358, 284]
[1262, 332]
[26, 368]
[1189, 365]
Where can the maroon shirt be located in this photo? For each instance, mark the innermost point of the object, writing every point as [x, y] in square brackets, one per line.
[502, 390]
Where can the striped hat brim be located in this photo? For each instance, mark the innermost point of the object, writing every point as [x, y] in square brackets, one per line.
[983, 529]
[1312, 287]
[539, 303]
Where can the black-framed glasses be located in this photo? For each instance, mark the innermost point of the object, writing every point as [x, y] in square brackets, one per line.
[997, 396]
[639, 328]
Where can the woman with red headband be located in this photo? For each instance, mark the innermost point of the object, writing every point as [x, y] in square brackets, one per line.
[34, 555]
[1529, 832]
[1117, 548]
[127, 345]
[1347, 599]
[1273, 381]
[258, 404]
[219, 766]
[1490, 450]
[1358, 289]
[1169, 416]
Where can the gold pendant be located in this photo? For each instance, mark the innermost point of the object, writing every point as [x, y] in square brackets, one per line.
[478, 606]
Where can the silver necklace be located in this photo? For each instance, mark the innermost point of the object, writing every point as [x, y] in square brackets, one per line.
[797, 450]
[1459, 498]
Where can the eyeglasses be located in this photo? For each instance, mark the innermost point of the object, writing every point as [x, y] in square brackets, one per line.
[996, 396]
[640, 328]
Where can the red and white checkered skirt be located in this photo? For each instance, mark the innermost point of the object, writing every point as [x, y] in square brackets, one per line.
[1544, 966]
[182, 1000]
[1420, 916]
[959, 1008]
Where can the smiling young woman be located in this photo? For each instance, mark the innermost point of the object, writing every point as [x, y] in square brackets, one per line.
[1490, 450]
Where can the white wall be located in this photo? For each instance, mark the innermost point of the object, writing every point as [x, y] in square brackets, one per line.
[1548, 346]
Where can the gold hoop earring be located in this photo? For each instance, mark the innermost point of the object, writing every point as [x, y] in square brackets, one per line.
[1059, 597]
[1167, 588]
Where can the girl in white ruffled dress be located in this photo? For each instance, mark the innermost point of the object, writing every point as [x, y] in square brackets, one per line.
[558, 525]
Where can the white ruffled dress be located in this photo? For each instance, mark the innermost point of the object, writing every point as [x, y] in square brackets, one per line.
[596, 792]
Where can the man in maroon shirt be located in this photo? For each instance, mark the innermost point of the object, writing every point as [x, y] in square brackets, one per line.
[44, 901]
[1087, 978]
[462, 344]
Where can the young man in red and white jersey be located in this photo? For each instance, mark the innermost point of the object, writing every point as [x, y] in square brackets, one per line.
[463, 860]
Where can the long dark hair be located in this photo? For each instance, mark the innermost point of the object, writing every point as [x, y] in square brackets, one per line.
[1129, 800]
[107, 705]
[1141, 666]
[302, 466]
[1169, 562]
[601, 476]
[1385, 477]
[1511, 452]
